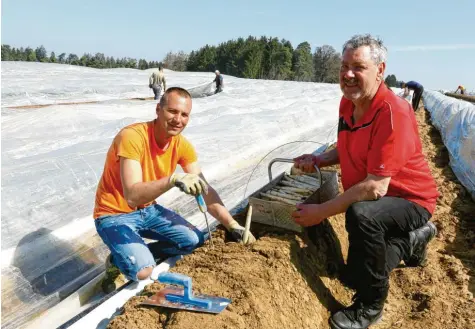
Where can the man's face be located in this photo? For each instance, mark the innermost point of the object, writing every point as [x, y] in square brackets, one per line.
[174, 117]
[359, 75]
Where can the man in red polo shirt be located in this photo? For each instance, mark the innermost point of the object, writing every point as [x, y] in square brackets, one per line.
[389, 192]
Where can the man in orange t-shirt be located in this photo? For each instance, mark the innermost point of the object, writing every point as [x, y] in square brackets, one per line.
[139, 167]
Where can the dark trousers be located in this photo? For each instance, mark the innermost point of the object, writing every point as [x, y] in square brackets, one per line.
[416, 98]
[378, 233]
[218, 89]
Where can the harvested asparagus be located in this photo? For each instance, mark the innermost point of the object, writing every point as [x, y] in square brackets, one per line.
[299, 183]
[276, 198]
[296, 190]
[295, 195]
[306, 180]
[296, 185]
[285, 195]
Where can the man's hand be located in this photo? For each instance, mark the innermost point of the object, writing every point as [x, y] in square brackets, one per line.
[308, 214]
[307, 163]
[189, 183]
[237, 232]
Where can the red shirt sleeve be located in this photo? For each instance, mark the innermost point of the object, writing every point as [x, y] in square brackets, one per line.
[392, 144]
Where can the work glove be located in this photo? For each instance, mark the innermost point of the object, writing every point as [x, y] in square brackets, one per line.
[237, 233]
[189, 183]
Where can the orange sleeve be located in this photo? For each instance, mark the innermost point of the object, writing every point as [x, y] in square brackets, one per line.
[187, 153]
[129, 144]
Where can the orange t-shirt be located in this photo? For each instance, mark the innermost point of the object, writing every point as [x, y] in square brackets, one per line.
[137, 142]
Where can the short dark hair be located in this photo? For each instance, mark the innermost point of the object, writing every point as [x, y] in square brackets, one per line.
[180, 91]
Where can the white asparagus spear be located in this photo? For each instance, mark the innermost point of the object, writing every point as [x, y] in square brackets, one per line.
[300, 183]
[286, 196]
[306, 180]
[302, 191]
[294, 194]
[276, 198]
[295, 184]
[311, 179]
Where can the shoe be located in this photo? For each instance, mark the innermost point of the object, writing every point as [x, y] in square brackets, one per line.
[113, 278]
[357, 316]
[418, 240]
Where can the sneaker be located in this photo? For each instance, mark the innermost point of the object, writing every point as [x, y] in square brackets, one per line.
[113, 278]
[357, 316]
[418, 240]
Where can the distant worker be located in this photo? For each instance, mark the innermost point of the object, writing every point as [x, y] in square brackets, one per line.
[418, 90]
[461, 88]
[139, 167]
[219, 82]
[155, 82]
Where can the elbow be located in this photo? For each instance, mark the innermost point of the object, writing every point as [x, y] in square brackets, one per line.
[131, 201]
[376, 191]
[132, 204]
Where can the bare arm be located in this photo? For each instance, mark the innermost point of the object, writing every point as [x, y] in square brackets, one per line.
[372, 188]
[136, 191]
[328, 158]
[215, 206]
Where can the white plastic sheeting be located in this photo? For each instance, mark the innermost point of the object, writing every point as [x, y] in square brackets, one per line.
[455, 119]
[52, 158]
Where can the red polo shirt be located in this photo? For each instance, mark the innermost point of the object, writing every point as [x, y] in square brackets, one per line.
[385, 142]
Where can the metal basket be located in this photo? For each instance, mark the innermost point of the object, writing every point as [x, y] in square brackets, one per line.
[279, 214]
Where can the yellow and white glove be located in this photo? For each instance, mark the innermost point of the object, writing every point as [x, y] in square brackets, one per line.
[189, 183]
[237, 232]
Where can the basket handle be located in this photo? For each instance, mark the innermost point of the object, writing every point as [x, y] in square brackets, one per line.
[269, 168]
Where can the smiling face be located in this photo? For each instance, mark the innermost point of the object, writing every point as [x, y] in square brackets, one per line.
[360, 76]
[174, 115]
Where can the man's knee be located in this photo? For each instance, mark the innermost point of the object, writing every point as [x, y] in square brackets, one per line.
[194, 239]
[358, 216]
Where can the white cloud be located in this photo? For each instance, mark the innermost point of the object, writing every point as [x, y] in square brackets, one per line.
[434, 47]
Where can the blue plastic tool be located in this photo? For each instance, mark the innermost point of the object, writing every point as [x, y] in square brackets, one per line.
[185, 281]
[182, 297]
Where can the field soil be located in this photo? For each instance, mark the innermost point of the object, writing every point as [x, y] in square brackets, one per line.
[283, 280]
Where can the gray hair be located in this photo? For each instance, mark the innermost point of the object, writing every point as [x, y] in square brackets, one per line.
[379, 52]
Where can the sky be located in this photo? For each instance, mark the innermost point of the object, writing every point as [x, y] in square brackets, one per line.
[428, 41]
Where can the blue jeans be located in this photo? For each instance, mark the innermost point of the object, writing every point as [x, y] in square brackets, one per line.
[123, 235]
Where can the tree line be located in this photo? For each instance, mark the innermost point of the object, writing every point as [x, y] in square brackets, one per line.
[251, 58]
[99, 60]
[268, 58]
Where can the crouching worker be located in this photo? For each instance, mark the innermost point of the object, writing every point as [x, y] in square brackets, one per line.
[139, 167]
[389, 193]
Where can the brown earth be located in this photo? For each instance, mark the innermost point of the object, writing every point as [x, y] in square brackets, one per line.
[281, 281]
